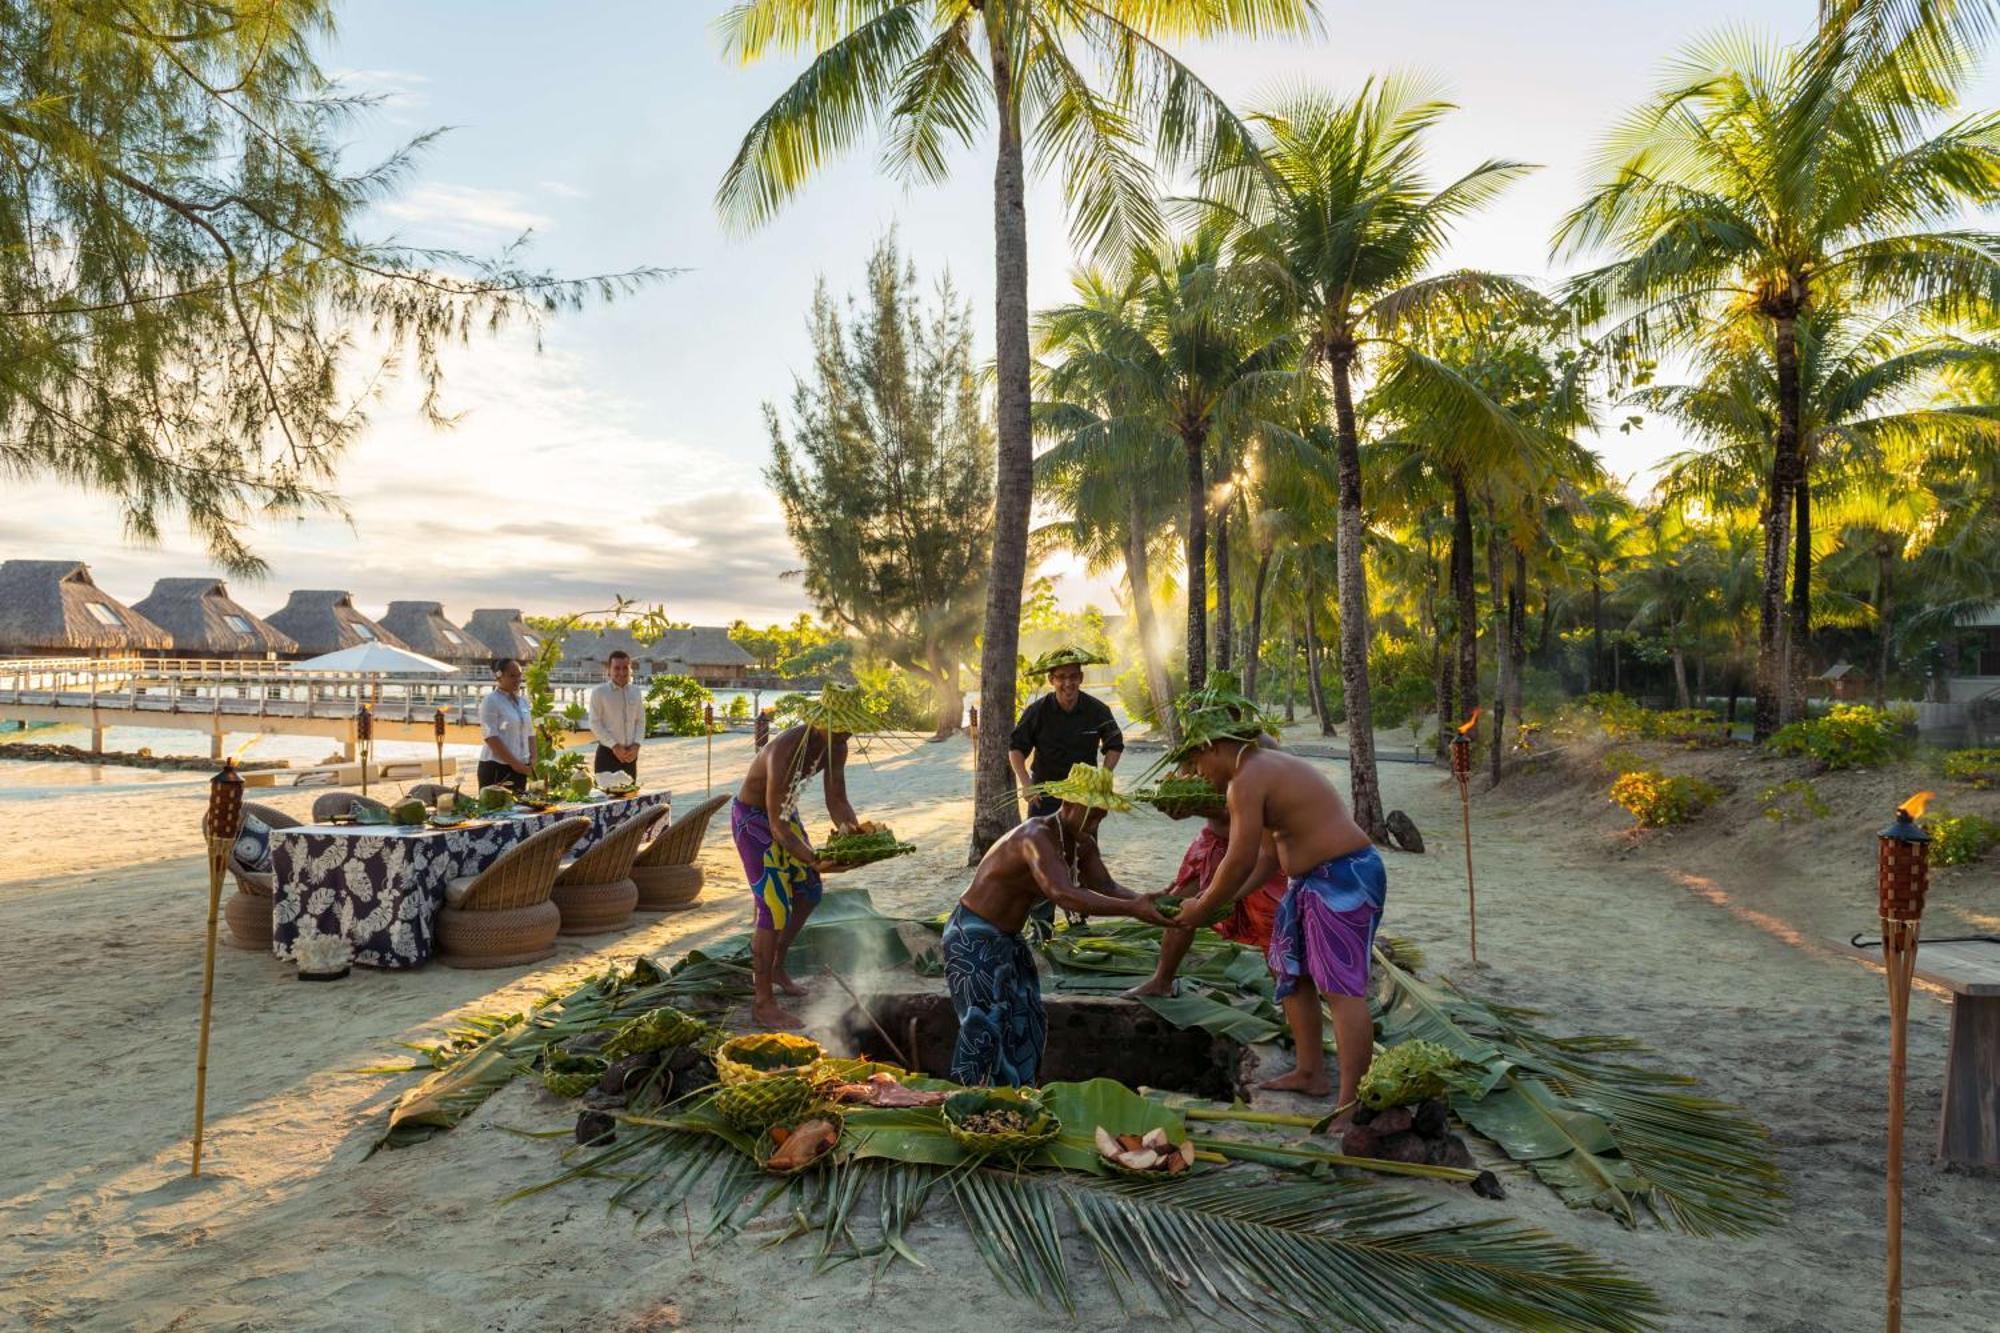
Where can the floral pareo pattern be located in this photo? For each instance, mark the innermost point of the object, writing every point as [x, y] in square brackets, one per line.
[380, 888]
[997, 996]
[1326, 925]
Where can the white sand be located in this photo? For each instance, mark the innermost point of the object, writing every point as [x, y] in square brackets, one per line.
[102, 904]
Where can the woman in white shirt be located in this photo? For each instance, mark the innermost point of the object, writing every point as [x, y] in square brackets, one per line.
[507, 721]
[618, 718]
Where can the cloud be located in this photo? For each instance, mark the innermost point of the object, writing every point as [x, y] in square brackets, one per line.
[392, 89]
[562, 189]
[465, 211]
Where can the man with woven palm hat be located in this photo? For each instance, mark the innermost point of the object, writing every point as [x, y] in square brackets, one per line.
[784, 872]
[1058, 731]
[1336, 884]
[987, 965]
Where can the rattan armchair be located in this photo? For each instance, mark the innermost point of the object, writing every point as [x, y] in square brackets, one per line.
[329, 804]
[249, 908]
[595, 892]
[502, 916]
[664, 871]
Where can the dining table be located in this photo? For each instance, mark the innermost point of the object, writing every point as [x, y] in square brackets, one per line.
[379, 886]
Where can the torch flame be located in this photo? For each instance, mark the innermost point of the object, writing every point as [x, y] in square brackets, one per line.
[1465, 727]
[1914, 807]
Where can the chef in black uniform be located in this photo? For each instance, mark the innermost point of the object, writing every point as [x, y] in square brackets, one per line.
[1063, 727]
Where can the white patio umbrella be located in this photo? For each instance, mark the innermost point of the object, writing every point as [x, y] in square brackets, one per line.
[376, 659]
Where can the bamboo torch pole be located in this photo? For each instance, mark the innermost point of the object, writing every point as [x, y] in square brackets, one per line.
[708, 739]
[1902, 876]
[437, 731]
[219, 825]
[364, 733]
[1461, 769]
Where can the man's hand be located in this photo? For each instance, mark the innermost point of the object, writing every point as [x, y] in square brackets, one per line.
[1142, 909]
[825, 867]
[519, 767]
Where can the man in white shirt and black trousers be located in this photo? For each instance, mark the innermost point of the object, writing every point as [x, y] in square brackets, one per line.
[618, 718]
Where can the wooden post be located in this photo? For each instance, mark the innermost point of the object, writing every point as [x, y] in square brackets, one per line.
[219, 825]
[1902, 877]
[708, 739]
[364, 732]
[1461, 769]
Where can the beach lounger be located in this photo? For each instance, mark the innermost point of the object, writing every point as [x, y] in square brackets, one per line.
[502, 916]
[665, 872]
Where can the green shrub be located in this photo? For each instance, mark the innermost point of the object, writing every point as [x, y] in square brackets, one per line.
[1690, 726]
[1958, 840]
[1657, 800]
[1849, 736]
[1975, 768]
[674, 704]
[904, 702]
[1621, 761]
[739, 708]
[1614, 715]
[1811, 804]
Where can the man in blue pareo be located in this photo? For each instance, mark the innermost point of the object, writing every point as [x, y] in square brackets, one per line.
[988, 966]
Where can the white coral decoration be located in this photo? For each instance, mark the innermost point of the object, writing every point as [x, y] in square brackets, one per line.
[321, 954]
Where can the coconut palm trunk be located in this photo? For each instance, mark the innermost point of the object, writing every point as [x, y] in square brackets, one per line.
[1253, 650]
[1139, 581]
[1013, 490]
[1464, 597]
[1224, 619]
[1884, 620]
[1596, 628]
[1801, 613]
[1192, 439]
[1497, 637]
[1771, 632]
[1363, 784]
[1517, 633]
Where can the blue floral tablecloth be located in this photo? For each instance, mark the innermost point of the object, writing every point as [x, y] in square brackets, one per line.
[380, 888]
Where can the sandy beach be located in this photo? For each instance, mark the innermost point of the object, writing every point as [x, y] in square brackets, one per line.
[1720, 947]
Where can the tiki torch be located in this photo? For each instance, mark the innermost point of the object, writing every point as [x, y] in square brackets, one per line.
[437, 730]
[1461, 769]
[219, 825]
[1902, 875]
[364, 733]
[708, 739]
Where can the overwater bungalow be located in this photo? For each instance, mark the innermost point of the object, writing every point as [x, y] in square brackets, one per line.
[324, 620]
[422, 626]
[705, 652]
[503, 633]
[52, 608]
[205, 621]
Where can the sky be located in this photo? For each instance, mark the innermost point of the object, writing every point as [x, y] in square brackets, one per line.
[625, 457]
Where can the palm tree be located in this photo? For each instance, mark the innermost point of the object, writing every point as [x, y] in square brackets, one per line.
[1766, 180]
[1674, 580]
[1596, 535]
[933, 74]
[1186, 349]
[1336, 216]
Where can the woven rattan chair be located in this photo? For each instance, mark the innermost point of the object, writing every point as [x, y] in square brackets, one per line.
[249, 908]
[428, 792]
[332, 803]
[502, 916]
[665, 872]
[595, 892]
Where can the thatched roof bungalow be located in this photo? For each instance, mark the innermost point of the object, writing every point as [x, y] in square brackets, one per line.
[503, 633]
[705, 652]
[206, 622]
[324, 620]
[422, 626]
[588, 649]
[53, 608]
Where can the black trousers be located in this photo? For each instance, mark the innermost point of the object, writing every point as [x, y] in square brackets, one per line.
[493, 773]
[604, 761]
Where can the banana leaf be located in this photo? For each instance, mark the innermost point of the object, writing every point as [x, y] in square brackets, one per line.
[1082, 1107]
[1191, 1008]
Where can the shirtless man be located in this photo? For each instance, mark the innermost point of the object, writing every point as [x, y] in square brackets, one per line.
[988, 966]
[1248, 923]
[1326, 922]
[778, 859]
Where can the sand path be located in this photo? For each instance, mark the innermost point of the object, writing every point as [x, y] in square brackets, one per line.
[294, 1227]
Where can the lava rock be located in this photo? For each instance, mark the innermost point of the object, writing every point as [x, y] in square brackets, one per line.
[627, 1076]
[1403, 832]
[1432, 1119]
[1361, 1141]
[1450, 1150]
[1404, 1147]
[595, 1128]
[1364, 1115]
[1487, 1186]
[1394, 1120]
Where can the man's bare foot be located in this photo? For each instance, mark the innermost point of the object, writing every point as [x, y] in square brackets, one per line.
[787, 985]
[1165, 989]
[774, 1015]
[1312, 1085]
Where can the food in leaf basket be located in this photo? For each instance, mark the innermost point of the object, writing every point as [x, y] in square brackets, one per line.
[1179, 798]
[569, 1075]
[998, 1120]
[800, 1146]
[756, 1104]
[1151, 1153]
[859, 849]
[1410, 1072]
[757, 1055]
